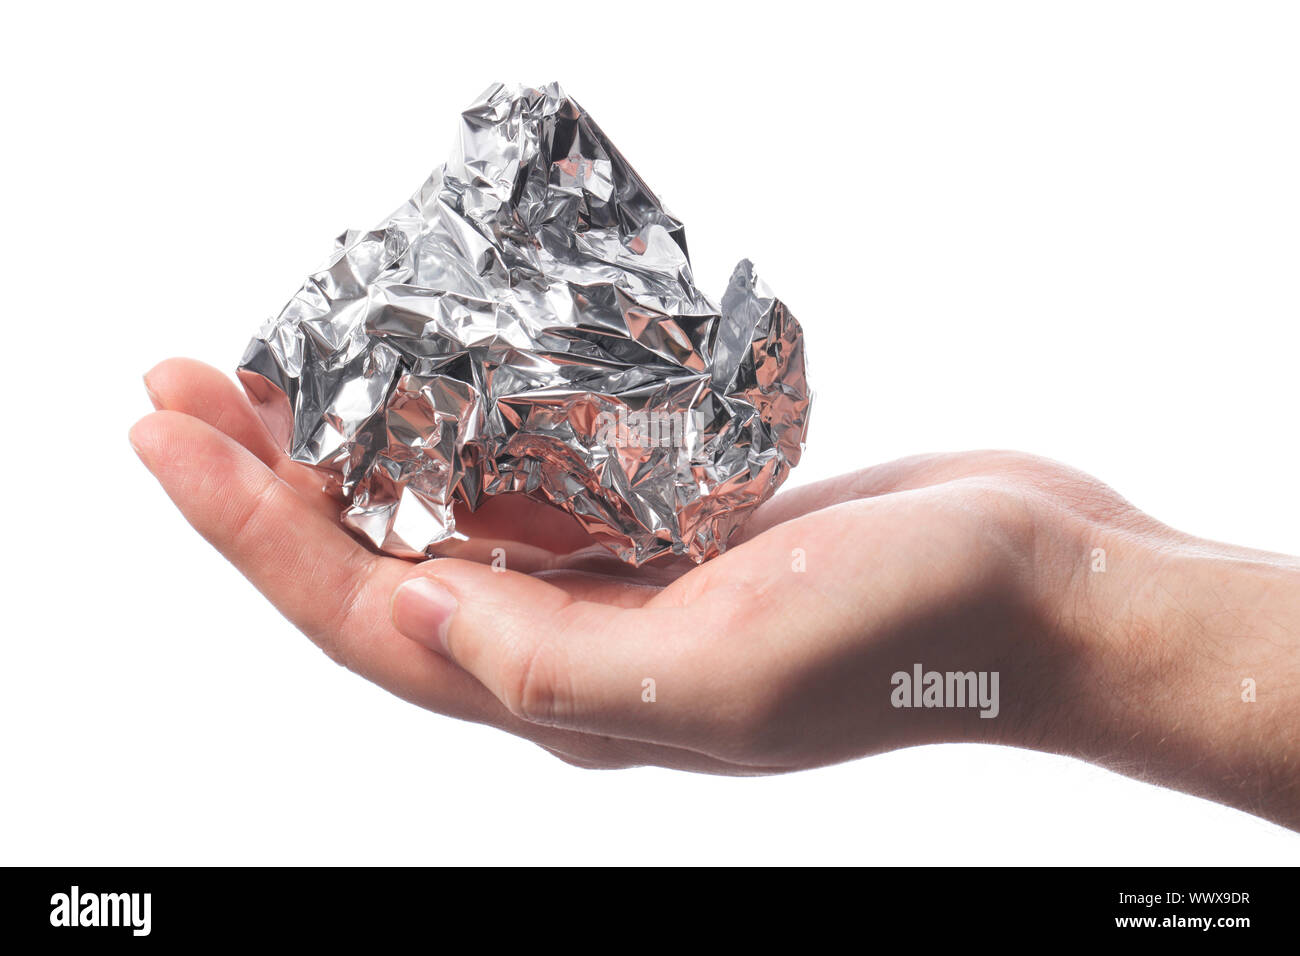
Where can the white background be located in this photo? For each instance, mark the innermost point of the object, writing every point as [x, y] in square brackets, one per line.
[1069, 229]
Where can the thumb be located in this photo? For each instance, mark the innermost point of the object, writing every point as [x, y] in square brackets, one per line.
[554, 659]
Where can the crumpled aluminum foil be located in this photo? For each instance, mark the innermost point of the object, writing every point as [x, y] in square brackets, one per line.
[528, 322]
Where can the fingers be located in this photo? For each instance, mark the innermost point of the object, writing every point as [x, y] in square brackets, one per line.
[251, 516]
[331, 588]
[319, 578]
[200, 391]
[558, 656]
[560, 661]
[534, 535]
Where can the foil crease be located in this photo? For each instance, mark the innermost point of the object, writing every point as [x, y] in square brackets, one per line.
[528, 322]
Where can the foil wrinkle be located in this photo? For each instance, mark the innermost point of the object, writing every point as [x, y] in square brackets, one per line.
[528, 323]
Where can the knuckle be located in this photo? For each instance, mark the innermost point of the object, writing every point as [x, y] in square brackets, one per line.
[335, 650]
[341, 635]
[533, 686]
[353, 615]
[247, 523]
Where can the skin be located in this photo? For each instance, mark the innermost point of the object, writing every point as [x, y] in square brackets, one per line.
[981, 561]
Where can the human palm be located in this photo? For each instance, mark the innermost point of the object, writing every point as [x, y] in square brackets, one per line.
[775, 656]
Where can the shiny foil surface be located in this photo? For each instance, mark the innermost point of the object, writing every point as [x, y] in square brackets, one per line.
[528, 322]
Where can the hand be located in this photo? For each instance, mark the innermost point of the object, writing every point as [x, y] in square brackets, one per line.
[780, 654]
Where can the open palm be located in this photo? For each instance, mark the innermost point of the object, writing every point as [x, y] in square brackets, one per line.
[772, 657]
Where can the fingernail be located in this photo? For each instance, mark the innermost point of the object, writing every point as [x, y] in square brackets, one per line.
[135, 445]
[422, 610]
[153, 396]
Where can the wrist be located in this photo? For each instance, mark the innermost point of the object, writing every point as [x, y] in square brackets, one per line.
[1187, 671]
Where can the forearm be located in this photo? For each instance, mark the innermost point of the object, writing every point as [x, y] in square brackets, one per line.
[1190, 674]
